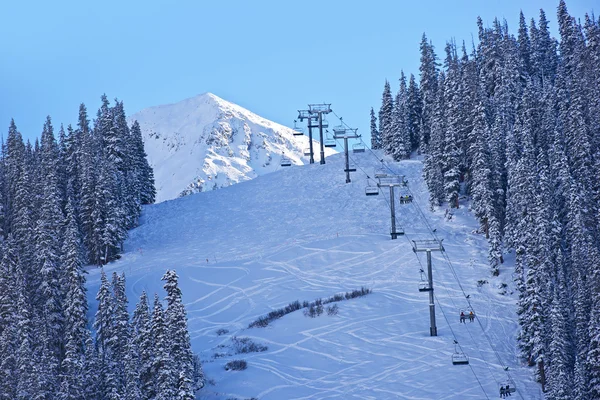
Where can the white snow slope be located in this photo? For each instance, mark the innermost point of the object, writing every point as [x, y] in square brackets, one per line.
[302, 233]
[205, 143]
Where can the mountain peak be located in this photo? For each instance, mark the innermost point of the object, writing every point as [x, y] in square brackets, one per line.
[205, 142]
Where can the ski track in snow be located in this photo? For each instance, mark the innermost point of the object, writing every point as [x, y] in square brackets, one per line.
[302, 233]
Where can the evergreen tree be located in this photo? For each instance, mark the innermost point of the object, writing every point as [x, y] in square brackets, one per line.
[142, 336]
[386, 128]
[429, 87]
[375, 136]
[73, 364]
[400, 146]
[414, 113]
[164, 373]
[179, 338]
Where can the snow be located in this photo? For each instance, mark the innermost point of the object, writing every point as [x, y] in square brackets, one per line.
[204, 143]
[301, 233]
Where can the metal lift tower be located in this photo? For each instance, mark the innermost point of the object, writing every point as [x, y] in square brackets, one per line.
[319, 110]
[305, 114]
[428, 246]
[391, 181]
[339, 132]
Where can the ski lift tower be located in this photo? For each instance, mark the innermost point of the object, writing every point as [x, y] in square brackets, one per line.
[319, 110]
[428, 246]
[312, 119]
[391, 181]
[340, 132]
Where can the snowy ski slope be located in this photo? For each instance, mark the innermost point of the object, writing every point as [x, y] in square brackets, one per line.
[301, 233]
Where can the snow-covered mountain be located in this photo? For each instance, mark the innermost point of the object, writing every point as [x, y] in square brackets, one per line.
[205, 143]
[301, 234]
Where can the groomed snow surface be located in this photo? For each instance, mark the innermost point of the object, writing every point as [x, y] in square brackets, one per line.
[302, 233]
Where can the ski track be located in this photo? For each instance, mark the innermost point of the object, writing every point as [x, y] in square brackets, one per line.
[235, 269]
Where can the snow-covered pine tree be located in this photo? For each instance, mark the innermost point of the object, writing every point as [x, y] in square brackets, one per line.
[163, 366]
[142, 337]
[414, 113]
[432, 168]
[375, 135]
[429, 88]
[144, 173]
[50, 294]
[560, 372]
[72, 367]
[121, 332]
[400, 146]
[452, 116]
[179, 337]
[9, 339]
[386, 127]
[104, 324]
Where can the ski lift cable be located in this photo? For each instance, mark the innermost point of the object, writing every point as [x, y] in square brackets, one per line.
[451, 297]
[362, 141]
[421, 265]
[456, 342]
[444, 314]
[452, 269]
[384, 164]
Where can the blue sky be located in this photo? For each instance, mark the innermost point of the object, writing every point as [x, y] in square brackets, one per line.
[272, 57]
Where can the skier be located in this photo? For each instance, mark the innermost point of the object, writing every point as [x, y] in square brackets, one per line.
[471, 316]
[502, 392]
[507, 390]
[462, 317]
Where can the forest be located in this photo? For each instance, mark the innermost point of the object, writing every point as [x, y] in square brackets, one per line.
[510, 126]
[65, 204]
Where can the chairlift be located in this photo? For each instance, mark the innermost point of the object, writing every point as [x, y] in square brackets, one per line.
[298, 130]
[459, 358]
[324, 123]
[329, 141]
[467, 314]
[510, 384]
[358, 148]
[307, 151]
[406, 196]
[423, 284]
[371, 190]
[285, 161]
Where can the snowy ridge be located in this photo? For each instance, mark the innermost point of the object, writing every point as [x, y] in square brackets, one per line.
[300, 234]
[205, 143]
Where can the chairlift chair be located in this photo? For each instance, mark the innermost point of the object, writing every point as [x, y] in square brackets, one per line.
[329, 141]
[324, 123]
[372, 190]
[298, 130]
[405, 194]
[358, 148]
[511, 385]
[285, 161]
[459, 358]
